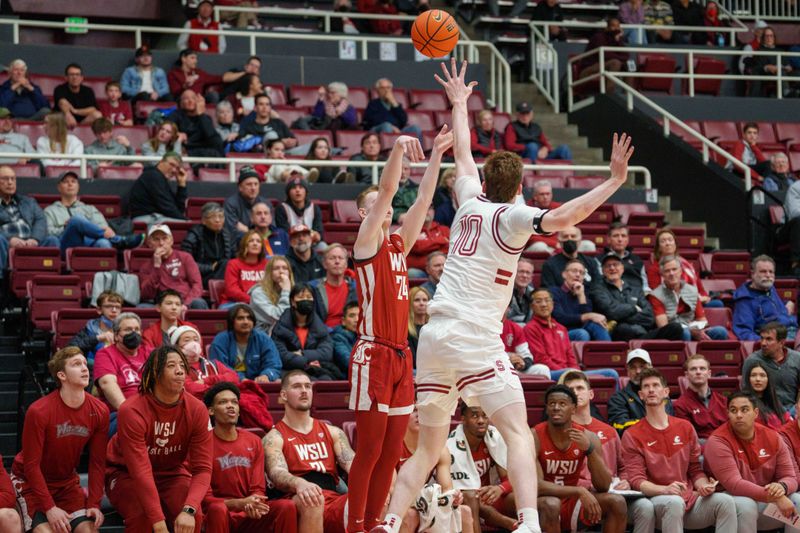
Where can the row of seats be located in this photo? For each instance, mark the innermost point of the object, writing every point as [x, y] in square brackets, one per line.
[772, 136]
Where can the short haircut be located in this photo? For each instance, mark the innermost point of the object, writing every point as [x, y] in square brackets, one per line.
[211, 393]
[18, 62]
[542, 184]
[349, 305]
[224, 104]
[695, 357]
[651, 372]
[541, 289]
[122, 317]
[72, 65]
[575, 375]
[153, 368]
[249, 59]
[749, 125]
[338, 87]
[290, 374]
[668, 259]
[260, 96]
[763, 258]
[434, 255]
[209, 208]
[273, 142]
[102, 125]
[58, 362]
[526, 260]
[299, 287]
[563, 389]
[503, 173]
[747, 395]
[777, 327]
[366, 137]
[617, 225]
[335, 246]
[109, 296]
[161, 296]
[173, 155]
[778, 156]
[363, 194]
[575, 262]
[113, 83]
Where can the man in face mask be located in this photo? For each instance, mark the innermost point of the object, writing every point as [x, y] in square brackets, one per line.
[571, 246]
[306, 265]
[118, 367]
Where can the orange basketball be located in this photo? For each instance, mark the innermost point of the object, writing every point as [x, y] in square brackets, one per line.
[434, 33]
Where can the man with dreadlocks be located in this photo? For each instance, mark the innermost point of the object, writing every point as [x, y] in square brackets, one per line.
[159, 462]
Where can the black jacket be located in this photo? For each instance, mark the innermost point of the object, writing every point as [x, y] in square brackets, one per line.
[554, 266]
[319, 346]
[208, 248]
[153, 193]
[620, 305]
[199, 130]
[305, 271]
[626, 409]
[634, 267]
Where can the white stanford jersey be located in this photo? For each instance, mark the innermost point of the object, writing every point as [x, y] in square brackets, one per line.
[486, 240]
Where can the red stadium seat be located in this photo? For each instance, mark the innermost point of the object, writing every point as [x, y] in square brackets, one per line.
[303, 95]
[54, 171]
[277, 93]
[584, 182]
[638, 215]
[604, 354]
[342, 233]
[706, 65]
[476, 102]
[721, 353]
[25, 263]
[596, 233]
[432, 100]
[603, 388]
[689, 238]
[721, 384]
[641, 237]
[84, 134]
[331, 394]
[209, 322]
[721, 131]
[501, 120]
[350, 141]
[46, 83]
[724, 288]
[85, 262]
[289, 114]
[214, 175]
[443, 117]
[48, 293]
[135, 258]
[46, 199]
[552, 172]
[663, 353]
[534, 389]
[67, 322]
[97, 84]
[27, 170]
[33, 130]
[787, 289]
[108, 205]
[358, 97]
[423, 119]
[788, 133]
[556, 182]
[148, 315]
[656, 63]
[194, 206]
[345, 211]
[731, 265]
[794, 161]
[119, 173]
[602, 215]
[308, 136]
[143, 109]
[216, 287]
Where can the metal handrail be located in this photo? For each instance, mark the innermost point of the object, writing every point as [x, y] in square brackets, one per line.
[731, 30]
[545, 76]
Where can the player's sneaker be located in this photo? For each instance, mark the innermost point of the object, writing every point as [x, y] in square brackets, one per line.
[382, 528]
[522, 528]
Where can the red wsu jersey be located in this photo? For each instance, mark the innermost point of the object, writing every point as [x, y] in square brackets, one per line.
[483, 463]
[309, 452]
[382, 285]
[559, 467]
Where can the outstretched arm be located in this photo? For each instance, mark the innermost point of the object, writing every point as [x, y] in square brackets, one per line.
[577, 209]
[415, 216]
[370, 233]
[468, 183]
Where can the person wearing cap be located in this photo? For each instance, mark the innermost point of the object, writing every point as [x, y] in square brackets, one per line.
[625, 407]
[75, 223]
[210, 44]
[276, 240]
[527, 138]
[144, 81]
[152, 199]
[185, 75]
[306, 265]
[197, 132]
[170, 269]
[76, 100]
[11, 141]
[239, 206]
[20, 96]
[299, 209]
[634, 272]
[210, 243]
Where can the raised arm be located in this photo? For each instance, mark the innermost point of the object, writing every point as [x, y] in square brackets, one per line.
[576, 210]
[415, 216]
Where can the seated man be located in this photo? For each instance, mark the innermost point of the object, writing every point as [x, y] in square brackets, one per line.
[152, 199]
[344, 336]
[159, 464]
[757, 303]
[573, 310]
[542, 198]
[106, 144]
[704, 408]
[406, 194]
[170, 269]
[434, 238]
[779, 177]
[519, 309]
[571, 245]
[210, 243]
[75, 223]
[299, 209]
[634, 271]
[484, 139]
[276, 240]
[754, 465]
[625, 407]
[434, 268]
[263, 127]
[519, 355]
[385, 114]
[526, 137]
[114, 108]
[98, 332]
[197, 132]
[614, 61]
[563, 450]
[303, 455]
[306, 265]
[238, 206]
[662, 460]
[76, 100]
[170, 308]
[143, 80]
[21, 97]
[9, 516]
[11, 141]
[65, 421]
[748, 152]
[781, 363]
[336, 289]
[237, 496]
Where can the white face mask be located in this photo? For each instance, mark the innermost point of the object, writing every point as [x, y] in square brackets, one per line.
[192, 349]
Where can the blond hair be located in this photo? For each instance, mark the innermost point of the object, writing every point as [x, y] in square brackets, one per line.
[412, 325]
[273, 291]
[58, 138]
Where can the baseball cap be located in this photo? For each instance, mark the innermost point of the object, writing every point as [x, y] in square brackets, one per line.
[159, 227]
[294, 182]
[297, 229]
[638, 353]
[142, 51]
[608, 257]
[248, 172]
[524, 107]
[67, 174]
[5, 113]
[760, 24]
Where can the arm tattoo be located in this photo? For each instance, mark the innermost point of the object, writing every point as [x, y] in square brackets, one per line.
[277, 469]
[344, 457]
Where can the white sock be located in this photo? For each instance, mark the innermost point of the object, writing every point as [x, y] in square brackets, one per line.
[393, 522]
[530, 518]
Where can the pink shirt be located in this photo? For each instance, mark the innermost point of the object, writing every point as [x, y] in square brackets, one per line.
[128, 370]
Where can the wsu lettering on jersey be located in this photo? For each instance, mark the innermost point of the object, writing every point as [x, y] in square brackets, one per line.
[162, 432]
[313, 453]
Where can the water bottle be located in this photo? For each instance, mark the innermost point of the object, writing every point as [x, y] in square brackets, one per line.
[720, 40]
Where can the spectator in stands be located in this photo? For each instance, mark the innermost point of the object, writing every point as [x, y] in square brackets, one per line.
[626, 406]
[245, 270]
[778, 179]
[152, 199]
[386, 25]
[385, 114]
[114, 108]
[548, 11]
[270, 298]
[202, 373]
[790, 432]
[706, 409]
[570, 244]
[303, 339]
[76, 100]
[435, 242]
[757, 380]
[674, 300]
[197, 131]
[169, 305]
[299, 209]
[618, 240]
[370, 151]
[669, 471]
[333, 111]
[57, 141]
[247, 350]
[791, 230]
[262, 127]
[238, 207]
[745, 61]
[68, 421]
[279, 172]
[666, 244]
[516, 347]
[418, 316]
[306, 265]
[170, 269]
[527, 138]
[185, 75]
[11, 141]
[344, 336]
[485, 140]
[75, 223]
[207, 43]
[762, 473]
[747, 150]
[210, 243]
[573, 310]
[767, 65]
[276, 240]
[611, 37]
[151, 490]
[226, 128]
[686, 13]
[343, 24]
[252, 67]
[21, 97]
[143, 81]
[711, 20]
[22, 221]
[543, 199]
[98, 332]
[320, 150]
[406, 194]
[107, 144]
[336, 289]
[444, 201]
[632, 12]
[167, 140]
[243, 102]
[549, 341]
[658, 13]
[519, 310]
[756, 303]
[625, 306]
[781, 363]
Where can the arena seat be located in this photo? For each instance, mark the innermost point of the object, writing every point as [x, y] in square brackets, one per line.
[135, 258]
[423, 119]
[209, 322]
[289, 114]
[689, 238]
[308, 136]
[596, 233]
[66, 322]
[214, 175]
[277, 93]
[663, 353]
[26, 170]
[638, 215]
[534, 389]
[47, 83]
[603, 388]
[47, 293]
[501, 120]
[445, 117]
[148, 315]
[118, 173]
[724, 356]
[731, 265]
[641, 237]
[431, 100]
[84, 262]
[345, 211]
[553, 172]
[54, 171]
[794, 160]
[331, 394]
[787, 289]
[33, 130]
[216, 289]
[349, 429]
[788, 133]
[24, 263]
[604, 355]
[108, 205]
[584, 182]
[721, 131]
[194, 206]
[656, 63]
[530, 180]
[602, 215]
[723, 287]
[142, 109]
[706, 65]
[358, 97]
[476, 102]
[350, 141]
[303, 95]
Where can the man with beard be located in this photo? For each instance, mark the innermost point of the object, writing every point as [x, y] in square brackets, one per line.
[757, 303]
[625, 408]
[306, 265]
[298, 209]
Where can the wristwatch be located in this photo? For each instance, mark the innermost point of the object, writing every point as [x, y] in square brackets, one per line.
[189, 510]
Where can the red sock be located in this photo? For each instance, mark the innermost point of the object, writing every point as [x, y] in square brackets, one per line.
[370, 433]
[382, 474]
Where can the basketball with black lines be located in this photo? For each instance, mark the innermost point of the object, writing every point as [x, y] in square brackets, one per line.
[434, 33]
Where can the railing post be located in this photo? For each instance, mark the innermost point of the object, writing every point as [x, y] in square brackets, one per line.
[748, 181]
[83, 166]
[137, 37]
[705, 153]
[780, 77]
[665, 125]
[252, 44]
[602, 70]
[375, 174]
[15, 32]
[629, 98]
[326, 23]
[570, 88]
[556, 92]
[691, 74]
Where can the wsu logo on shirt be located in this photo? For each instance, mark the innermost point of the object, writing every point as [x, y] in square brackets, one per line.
[313, 453]
[162, 432]
[68, 430]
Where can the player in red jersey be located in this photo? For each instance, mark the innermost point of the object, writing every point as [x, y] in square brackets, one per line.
[237, 502]
[302, 456]
[159, 462]
[381, 367]
[9, 517]
[57, 429]
[563, 449]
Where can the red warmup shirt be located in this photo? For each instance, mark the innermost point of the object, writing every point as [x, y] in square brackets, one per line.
[432, 238]
[337, 297]
[548, 341]
[609, 440]
[211, 372]
[154, 440]
[178, 271]
[53, 439]
[155, 337]
[405, 455]
[512, 336]
[8, 497]
[790, 432]
[117, 115]
[311, 452]
[176, 78]
[128, 370]
[704, 419]
[483, 463]
[238, 467]
[240, 277]
[382, 287]
[744, 468]
[562, 467]
[663, 456]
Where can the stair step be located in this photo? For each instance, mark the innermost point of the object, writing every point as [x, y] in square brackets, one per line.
[11, 361]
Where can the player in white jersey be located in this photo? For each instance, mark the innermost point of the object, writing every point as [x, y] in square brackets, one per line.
[460, 352]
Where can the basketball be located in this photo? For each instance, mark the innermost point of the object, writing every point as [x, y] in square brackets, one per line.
[434, 33]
